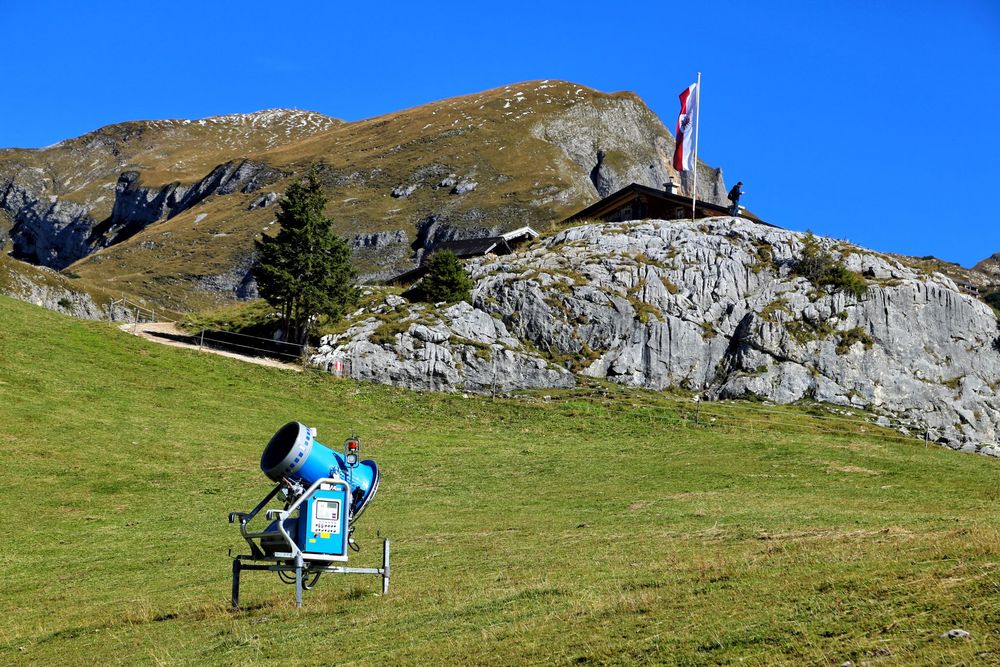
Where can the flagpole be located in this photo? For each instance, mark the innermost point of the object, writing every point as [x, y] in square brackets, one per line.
[697, 123]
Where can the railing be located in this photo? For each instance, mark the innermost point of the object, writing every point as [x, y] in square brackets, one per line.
[221, 339]
[134, 312]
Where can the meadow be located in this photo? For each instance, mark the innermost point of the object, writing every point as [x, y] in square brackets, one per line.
[596, 526]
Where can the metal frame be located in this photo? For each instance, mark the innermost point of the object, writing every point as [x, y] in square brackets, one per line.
[295, 560]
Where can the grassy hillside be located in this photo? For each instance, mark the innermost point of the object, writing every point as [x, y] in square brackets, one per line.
[489, 137]
[529, 146]
[598, 527]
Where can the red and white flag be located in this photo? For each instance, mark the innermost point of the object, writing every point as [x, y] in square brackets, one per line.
[684, 150]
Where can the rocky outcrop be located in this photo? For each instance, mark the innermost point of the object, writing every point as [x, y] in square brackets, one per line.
[461, 348]
[54, 232]
[46, 231]
[47, 288]
[237, 283]
[618, 142]
[137, 206]
[402, 191]
[716, 307]
[264, 201]
[464, 187]
[378, 240]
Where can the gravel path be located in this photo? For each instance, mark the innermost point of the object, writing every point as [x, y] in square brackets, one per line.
[149, 331]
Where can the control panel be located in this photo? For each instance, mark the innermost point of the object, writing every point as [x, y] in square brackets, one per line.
[325, 516]
[322, 525]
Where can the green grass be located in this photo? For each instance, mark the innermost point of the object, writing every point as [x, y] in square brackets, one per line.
[603, 526]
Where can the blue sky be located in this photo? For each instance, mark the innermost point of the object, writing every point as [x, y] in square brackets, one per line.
[873, 121]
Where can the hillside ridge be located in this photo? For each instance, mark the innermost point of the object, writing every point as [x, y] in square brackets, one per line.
[468, 166]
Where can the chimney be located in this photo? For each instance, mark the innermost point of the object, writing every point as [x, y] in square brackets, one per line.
[671, 187]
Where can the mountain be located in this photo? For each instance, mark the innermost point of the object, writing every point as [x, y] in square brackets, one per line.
[167, 210]
[715, 306]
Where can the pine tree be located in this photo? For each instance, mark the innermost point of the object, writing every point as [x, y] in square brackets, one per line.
[305, 270]
[446, 279]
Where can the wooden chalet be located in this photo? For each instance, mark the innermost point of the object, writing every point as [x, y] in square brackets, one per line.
[640, 202]
[504, 244]
[491, 245]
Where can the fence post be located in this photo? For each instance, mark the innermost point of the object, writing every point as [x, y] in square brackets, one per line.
[201, 341]
[927, 437]
[494, 374]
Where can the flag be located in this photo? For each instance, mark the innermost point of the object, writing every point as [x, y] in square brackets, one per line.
[684, 149]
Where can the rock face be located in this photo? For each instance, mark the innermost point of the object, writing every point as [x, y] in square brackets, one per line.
[238, 282]
[54, 232]
[378, 240]
[136, 207]
[715, 306]
[46, 230]
[461, 348]
[47, 288]
[619, 143]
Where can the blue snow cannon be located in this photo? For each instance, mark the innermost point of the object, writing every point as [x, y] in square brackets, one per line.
[294, 454]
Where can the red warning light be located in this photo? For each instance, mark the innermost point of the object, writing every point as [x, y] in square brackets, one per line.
[352, 445]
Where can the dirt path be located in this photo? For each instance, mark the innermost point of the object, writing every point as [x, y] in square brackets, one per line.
[149, 331]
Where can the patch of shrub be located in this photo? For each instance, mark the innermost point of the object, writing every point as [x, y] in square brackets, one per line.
[772, 309]
[819, 267]
[993, 299]
[669, 285]
[852, 336]
[764, 255]
[806, 331]
[386, 332]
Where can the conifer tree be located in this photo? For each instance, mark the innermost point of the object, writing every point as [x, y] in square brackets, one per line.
[305, 270]
[446, 279]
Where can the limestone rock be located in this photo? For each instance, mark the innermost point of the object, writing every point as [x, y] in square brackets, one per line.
[265, 200]
[714, 307]
[461, 349]
[464, 186]
[401, 191]
[378, 240]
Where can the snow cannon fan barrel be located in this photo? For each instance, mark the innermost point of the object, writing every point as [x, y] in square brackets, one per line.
[294, 454]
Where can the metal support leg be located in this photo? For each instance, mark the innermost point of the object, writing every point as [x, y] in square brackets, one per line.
[236, 583]
[298, 580]
[385, 566]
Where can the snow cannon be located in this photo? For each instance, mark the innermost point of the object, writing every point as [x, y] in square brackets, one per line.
[323, 494]
[294, 455]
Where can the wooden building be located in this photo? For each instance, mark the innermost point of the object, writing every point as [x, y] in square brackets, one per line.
[491, 245]
[503, 244]
[639, 202]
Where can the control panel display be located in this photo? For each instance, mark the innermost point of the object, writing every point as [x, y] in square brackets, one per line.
[326, 516]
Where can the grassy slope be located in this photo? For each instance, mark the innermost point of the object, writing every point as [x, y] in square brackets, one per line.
[560, 531]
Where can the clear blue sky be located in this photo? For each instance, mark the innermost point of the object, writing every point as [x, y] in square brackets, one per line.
[874, 121]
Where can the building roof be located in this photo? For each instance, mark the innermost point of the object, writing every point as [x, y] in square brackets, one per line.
[520, 232]
[612, 201]
[470, 248]
[473, 247]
